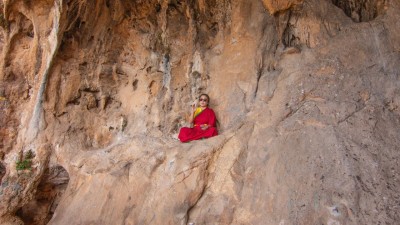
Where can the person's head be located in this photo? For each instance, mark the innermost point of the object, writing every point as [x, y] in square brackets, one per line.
[204, 100]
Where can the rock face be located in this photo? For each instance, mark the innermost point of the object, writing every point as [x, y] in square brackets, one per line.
[307, 94]
[361, 11]
[279, 6]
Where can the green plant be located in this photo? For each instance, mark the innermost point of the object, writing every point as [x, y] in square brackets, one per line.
[25, 164]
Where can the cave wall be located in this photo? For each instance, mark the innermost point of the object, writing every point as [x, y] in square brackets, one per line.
[306, 94]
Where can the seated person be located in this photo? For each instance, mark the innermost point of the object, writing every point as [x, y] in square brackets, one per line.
[203, 119]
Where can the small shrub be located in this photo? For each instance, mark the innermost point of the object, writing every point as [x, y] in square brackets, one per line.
[25, 164]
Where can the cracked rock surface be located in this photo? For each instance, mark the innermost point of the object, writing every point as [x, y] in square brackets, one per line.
[306, 92]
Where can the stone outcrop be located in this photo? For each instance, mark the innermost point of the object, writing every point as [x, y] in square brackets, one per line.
[93, 94]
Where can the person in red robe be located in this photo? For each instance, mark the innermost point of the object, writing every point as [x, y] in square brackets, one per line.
[204, 121]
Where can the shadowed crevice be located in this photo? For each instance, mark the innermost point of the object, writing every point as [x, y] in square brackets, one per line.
[2, 171]
[361, 10]
[48, 195]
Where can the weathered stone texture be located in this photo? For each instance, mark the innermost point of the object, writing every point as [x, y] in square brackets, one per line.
[307, 95]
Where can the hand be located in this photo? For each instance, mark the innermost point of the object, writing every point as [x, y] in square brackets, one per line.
[204, 126]
[191, 117]
[193, 108]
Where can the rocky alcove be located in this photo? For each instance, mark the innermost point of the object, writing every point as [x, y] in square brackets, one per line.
[46, 198]
[363, 10]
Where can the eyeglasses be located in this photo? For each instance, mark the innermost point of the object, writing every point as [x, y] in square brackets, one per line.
[203, 99]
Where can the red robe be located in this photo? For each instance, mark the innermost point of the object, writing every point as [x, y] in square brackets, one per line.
[207, 116]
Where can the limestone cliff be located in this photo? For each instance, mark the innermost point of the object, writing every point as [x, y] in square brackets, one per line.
[93, 93]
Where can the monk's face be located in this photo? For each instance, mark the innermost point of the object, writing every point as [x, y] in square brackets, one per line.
[203, 101]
